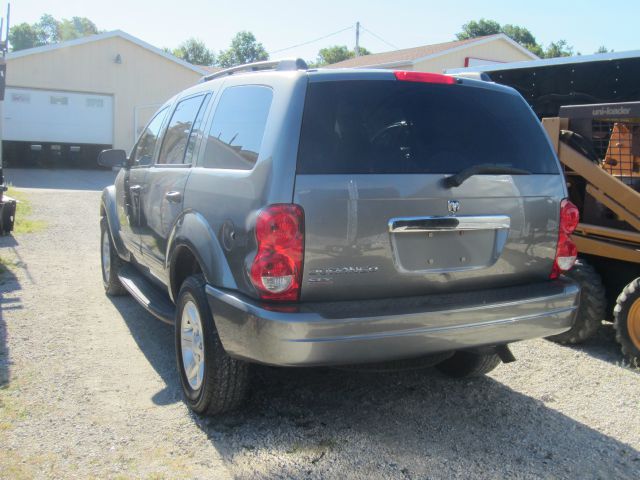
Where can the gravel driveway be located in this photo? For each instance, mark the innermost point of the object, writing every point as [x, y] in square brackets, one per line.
[93, 389]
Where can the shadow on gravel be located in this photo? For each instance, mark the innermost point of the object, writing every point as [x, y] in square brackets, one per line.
[69, 179]
[9, 285]
[155, 339]
[603, 346]
[409, 424]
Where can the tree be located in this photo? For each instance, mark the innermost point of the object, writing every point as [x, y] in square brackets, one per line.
[244, 49]
[23, 36]
[603, 49]
[484, 27]
[479, 28]
[77, 27]
[49, 30]
[558, 49]
[195, 51]
[522, 35]
[337, 53]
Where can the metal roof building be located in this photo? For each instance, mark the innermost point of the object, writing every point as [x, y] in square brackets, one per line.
[65, 102]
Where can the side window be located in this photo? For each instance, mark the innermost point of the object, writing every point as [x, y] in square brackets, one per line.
[235, 136]
[143, 152]
[174, 144]
[196, 132]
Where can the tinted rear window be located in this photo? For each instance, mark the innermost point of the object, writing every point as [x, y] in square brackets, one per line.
[406, 127]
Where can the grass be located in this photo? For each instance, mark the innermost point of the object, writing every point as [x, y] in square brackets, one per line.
[5, 265]
[8, 266]
[17, 467]
[12, 408]
[23, 223]
[7, 271]
[14, 464]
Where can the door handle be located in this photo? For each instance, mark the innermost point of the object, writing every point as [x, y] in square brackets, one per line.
[175, 197]
[135, 188]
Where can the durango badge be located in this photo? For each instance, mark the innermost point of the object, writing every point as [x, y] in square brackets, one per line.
[453, 206]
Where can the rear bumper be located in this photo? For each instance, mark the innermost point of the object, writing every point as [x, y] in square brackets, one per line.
[389, 329]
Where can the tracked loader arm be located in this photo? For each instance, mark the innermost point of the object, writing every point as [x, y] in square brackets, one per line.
[623, 200]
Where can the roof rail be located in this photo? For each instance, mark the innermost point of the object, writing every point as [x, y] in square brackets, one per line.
[282, 65]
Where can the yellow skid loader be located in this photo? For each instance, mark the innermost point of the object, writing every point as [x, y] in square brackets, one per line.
[599, 148]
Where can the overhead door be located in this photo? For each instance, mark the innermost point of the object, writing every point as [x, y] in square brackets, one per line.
[50, 116]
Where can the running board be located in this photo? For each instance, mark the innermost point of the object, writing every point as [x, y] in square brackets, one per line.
[148, 295]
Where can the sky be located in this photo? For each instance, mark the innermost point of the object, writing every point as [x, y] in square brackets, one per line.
[585, 24]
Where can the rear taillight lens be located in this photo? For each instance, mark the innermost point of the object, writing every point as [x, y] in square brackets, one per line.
[424, 77]
[276, 271]
[569, 217]
[566, 251]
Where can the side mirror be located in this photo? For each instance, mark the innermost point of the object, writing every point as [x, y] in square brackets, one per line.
[112, 158]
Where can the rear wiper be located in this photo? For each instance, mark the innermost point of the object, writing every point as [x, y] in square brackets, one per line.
[486, 169]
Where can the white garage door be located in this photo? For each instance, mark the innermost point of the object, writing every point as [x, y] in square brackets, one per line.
[32, 115]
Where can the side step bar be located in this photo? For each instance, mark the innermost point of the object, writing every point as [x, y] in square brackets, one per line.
[148, 295]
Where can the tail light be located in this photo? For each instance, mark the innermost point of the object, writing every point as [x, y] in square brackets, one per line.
[276, 271]
[566, 251]
[424, 77]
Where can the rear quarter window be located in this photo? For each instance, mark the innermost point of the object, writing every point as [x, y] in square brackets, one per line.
[406, 127]
[235, 135]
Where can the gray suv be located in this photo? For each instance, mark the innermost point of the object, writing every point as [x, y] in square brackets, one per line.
[299, 217]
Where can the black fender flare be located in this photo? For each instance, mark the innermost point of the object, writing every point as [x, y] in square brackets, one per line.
[191, 230]
[108, 205]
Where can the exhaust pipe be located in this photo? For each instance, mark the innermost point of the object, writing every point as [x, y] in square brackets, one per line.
[505, 354]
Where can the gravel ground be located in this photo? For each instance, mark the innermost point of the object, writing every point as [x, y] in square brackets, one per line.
[91, 390]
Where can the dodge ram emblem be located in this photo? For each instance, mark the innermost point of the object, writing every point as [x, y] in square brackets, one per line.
[453, 206]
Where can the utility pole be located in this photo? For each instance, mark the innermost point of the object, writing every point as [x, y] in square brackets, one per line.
[7, 205]
[357, 39]
[4, 46]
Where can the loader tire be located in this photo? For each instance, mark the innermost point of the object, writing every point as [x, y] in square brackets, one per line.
[626, 321]
[593, 303]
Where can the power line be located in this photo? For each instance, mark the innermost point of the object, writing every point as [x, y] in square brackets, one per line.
[312, 41]
[379, 37]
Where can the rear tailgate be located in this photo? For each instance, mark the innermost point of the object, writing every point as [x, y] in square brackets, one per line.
[379, 222]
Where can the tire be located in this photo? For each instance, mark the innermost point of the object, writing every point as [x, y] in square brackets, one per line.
[626, 321]
[221, 382]
[593, 304]
[426, 361]
[110, 280]
[469, 364]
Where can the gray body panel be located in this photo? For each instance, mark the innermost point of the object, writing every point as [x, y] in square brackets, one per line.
[109, 206]
[350, 253]
[229, 200]
[159, 213]
[333, 333]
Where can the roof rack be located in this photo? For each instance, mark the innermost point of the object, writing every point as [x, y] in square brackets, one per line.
[282, 65]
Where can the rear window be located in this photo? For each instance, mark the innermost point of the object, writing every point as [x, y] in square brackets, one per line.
[407, 127]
